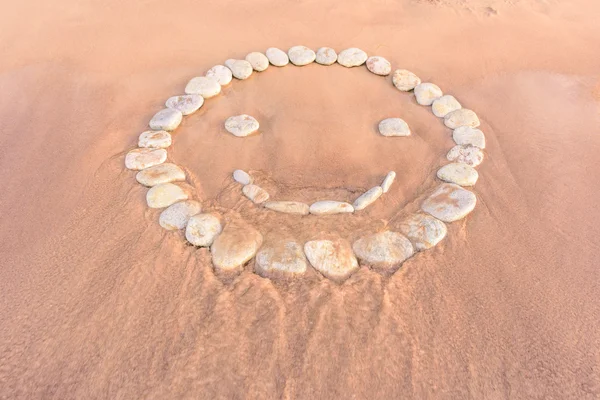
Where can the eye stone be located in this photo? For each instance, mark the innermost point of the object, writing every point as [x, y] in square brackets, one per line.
[394, 127]
[241, 125]
[327, 207]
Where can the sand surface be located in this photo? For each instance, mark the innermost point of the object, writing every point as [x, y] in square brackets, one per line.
[98, 302]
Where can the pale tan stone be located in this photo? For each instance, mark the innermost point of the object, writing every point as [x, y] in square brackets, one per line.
[423, 230]
[328, 207]
[165, 194]
[242, 177]
[241, 125]
[352, 57]
[283, 257]
[187, 103]
[155, 139]
[138, 159]
[255, 193]
[259, 61]
[379, 65]
[235, 246]
[204, 86]
[387, 181]
[166, 119]
[367, 198]
[449, 202]
[394, 127]
[426, 93]
[465, 135]
[444, 105]
[326, 56]
[458, 173]
[288, 207]
[203, 229]
[461, 117]
[241, 69]
[332, 258]
[301, 55]
[383, 250]
[176, 216]
[466, 154]
[277, 57]
[221, 74]
[405, 80]
[162, 173]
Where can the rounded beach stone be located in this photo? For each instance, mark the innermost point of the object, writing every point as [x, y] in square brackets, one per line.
[176, 216]
[155, 139]
[379, 65]
[166, 120]
[458, 173]
[235, 246]
[162, 173]
[367, 198]
[384, 249]
[461, 117]
[164, 195]
[445, 105]
[285, 257]
[143, 158]
[326, 56]
[241, 69]
[242, 177]
[405, 80]
[465, 135]
[259, 61]
[288, 207]
[187, 103]
[202, 229]
[327, 207]
[426, 93]
[241, 125]
[332, 258]
[277, 57]
[466, 154]
[204, 86]
[394, 127]
[255, 193]
[449, 202]
[301, 55]
[352, 57]
[423, 230]
[221, 74]
[387, 181]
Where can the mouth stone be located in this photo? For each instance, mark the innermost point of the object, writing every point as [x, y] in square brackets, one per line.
[328, 207]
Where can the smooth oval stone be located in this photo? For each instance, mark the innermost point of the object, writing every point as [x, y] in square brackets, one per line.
[326, 56]
[465, 135]
[162, 173]
[449, 202]
[143, 158]
[461, 117]
[235, 246]
[255, 193]
[379, 65]
[155, 139]
[221, 74]
[241, 69]
[466, 154]
[384, 249]
[301, 55]
[394, 127]
[387, 181]
[202, 229]
[176, 216]
[277, 57]
[458, 173]
[288, 207]
[367, 198]
[259, 61]
[352, 57]
[204, 86]
[327, 207]
[164, 195]
[333, 258]
[284, 257]
[426, 93]
[241, 125]
[444, 105]
[405, 80]
[423, 230]
[187, 104]
[166, 120]
[242, 177]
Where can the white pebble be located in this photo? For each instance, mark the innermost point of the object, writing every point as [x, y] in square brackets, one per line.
[166, 119]
[202, 229]
[241, 69]
[449, 202]
[465, 135]
[461, 117]
[241, 125]
[242, 177]
[326, 56]
[327, 207]
[138, 159]
[187, 104]
[466, 154]
[301, 55]
[154, 139]
[162, 173]
[288, 207]
[458, 173]
[282, 257]
[444, 105]
[204, 86]
[332, 258]
[352, 57]
[255, 193]
[426, 93]
[379, 65]
[164, 195]
[405, 80]
[423, 230]
[221, 74]
[394, 127]
[259, 61]
[367, 198]
[277, 57]
[383, 250]
[176, 216]
[235, 246]
[387, 181]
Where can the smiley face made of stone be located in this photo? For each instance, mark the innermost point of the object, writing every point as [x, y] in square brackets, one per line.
[233, 242]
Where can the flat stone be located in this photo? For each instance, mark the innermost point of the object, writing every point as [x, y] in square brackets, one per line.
[203, 229]
[394, 127]
[465, 135]
[288, 207]
[241, 69]
[444, 105]
[333, 258]
[277, 57]
[259, 61]
[166, 120]
[285, 257]
[426, 93]
[449, 202]
[221, 74]
[301, 55]
[155, 139]
[466, 154]
[255, 193]
[235, 246]
[176, 216]
[387, 181]
[162, 173]
[367, 198]
[242, 177]
[384, 249]
[327, 207]
[326, 56]
[461, 117]
[352, 57]
[241, 125]
[458, 173]
[143, 158]
[405, 80]
[204, 86]
[187, 103]
[423, 230]
[164, 195]
[379, 65]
